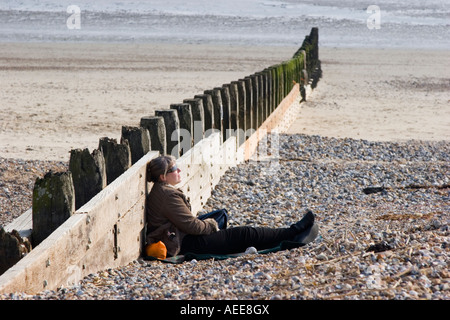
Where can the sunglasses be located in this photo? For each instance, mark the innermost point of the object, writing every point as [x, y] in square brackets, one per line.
[174, 168]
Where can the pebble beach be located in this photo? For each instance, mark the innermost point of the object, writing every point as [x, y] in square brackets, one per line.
[388, 245]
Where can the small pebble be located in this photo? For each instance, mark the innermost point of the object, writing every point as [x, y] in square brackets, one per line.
[251, 250]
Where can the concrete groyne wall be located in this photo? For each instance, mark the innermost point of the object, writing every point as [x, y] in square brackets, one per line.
[92, 217]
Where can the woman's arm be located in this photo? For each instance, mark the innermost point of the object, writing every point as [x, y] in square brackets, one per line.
[181, 216]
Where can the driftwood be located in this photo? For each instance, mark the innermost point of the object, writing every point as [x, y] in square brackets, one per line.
[371, 190]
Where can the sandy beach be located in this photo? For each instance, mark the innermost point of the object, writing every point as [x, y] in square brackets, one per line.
[61, 96]
[380, 95]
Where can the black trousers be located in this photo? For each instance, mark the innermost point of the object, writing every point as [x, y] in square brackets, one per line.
[235, 240]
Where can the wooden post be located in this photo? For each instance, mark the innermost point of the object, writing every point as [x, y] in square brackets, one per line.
[268, 88]
[273, 89]
[226, 106]
[198, 118]
[216, 98]
[257, 101]
[172, 125]
[241, 109]
[12, 248]
[261, 109]
[139, 141]
[157, 132]
[186, 126]
[88, 174]
[280, 74]
[249, 104]
[117, 157]
[276, 86]
[234, 109]
[257, 112]
[266, 91]
[208, 112]
[53, 203]
[262, 103]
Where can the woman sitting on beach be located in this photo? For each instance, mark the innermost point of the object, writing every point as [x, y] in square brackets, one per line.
[171, 221]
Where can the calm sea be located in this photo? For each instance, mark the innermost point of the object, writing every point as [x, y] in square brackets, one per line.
[343, 23]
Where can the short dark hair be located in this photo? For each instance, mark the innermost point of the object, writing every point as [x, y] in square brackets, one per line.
[158, 166]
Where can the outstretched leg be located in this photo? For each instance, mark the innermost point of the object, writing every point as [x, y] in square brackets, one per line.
[234, 240]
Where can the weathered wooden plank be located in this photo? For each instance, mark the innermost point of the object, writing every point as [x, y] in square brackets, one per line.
[118, 244]
[229, 155]
[197, 188]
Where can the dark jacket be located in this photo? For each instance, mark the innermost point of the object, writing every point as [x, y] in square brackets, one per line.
[169, 218]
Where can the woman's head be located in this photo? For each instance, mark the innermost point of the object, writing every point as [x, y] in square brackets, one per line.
[163, 168]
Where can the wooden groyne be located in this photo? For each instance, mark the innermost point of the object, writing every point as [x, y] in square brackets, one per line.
[92, 217]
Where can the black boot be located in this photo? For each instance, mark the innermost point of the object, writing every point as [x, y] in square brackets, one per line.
[306, 222]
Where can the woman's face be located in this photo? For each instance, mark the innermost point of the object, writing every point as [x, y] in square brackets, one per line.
[172, 176]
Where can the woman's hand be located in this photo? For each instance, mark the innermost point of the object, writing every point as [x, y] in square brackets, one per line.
[213, 223]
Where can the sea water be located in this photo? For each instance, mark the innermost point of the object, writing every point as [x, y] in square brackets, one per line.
[343, 23]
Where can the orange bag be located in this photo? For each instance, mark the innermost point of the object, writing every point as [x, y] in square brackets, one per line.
[156, 250]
